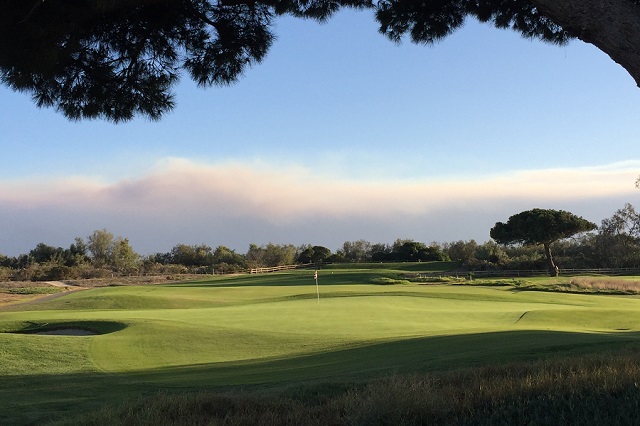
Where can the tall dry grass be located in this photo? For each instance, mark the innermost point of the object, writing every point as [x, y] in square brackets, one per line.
[588, 390]
[605, 284]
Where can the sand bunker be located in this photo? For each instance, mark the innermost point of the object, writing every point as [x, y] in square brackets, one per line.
[75, 328]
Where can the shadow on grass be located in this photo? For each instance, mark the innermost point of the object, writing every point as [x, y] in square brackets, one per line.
[297, 278]
[95, 327]
[397, 266]
[35, 399]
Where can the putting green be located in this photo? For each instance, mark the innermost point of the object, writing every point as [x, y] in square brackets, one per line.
[198, 324]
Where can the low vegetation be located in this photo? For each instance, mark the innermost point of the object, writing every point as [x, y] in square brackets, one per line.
[588, 285]
[582, 284]
[32, 290]
[606, 285]
[591, 390]
[388, 281]
[103, 255]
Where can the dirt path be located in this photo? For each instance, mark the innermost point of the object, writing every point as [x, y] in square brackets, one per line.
[33, 299]
[8, 299]
[61, 284]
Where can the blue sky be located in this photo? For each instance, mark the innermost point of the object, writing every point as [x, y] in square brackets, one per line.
[338, 135]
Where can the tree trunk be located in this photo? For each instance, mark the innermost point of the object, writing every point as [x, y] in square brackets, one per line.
[553, 269]
[613, 26]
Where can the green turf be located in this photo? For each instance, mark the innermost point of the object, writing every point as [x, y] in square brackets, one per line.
[271, 330]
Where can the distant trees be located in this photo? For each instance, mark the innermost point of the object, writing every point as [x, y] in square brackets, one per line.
[227, 261]
[100, 245]
[102, 254]
[192, 255]
[400, 251]
[111, 253]
[355, 251]
[616, 244]
[123, 259]
[381, 252]
[182, 258]
[271, 255]
[313, 254]
[619, 238]
[461, 251]
[412, 251]
[521, 243]
[540, 226]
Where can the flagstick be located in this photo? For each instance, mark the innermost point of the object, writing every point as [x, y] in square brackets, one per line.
[317, 288]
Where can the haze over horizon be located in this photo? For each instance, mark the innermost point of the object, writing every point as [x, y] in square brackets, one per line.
[339, 135]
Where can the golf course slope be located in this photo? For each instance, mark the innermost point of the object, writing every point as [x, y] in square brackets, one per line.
[269, 333]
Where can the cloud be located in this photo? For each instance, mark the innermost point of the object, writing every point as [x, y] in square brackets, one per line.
[179, 196]
[252, 189]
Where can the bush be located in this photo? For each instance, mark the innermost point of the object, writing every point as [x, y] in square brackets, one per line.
[388, 281]
[440, 279]
[6, 274]
[226, 268]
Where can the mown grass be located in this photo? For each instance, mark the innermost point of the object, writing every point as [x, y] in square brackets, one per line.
[269, 336]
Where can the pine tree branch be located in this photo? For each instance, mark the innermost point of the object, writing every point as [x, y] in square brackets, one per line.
[612, 26]
[32, 11]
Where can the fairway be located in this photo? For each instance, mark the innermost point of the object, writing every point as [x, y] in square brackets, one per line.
[259, 332]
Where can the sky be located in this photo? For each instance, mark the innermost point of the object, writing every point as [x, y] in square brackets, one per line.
[338, 135]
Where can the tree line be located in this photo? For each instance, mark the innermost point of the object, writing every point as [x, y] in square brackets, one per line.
[615, 244]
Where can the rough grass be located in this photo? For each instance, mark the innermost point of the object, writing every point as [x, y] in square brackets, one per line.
[33, 290]
[440, 280]
[389, 281]
[586, 285]
[591, 390]
[562, 284]
[137, 280]
[605, 285]
[7, 285]
[14, 292]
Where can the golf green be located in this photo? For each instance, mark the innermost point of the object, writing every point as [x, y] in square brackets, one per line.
[270, 331]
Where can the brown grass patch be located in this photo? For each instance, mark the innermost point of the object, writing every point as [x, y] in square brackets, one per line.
[112, 281]
[606, 284]
[136, 280]
[6, 298]
[19, 284]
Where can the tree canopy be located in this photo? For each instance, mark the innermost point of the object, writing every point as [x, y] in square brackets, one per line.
[540, 226]
[114, 59]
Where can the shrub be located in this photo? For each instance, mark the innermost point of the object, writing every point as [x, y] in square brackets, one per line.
[6, 274]
[440, 279]
[388, 281]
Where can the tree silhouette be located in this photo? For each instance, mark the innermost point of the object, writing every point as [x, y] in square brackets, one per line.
[115, 59]
[540, 226]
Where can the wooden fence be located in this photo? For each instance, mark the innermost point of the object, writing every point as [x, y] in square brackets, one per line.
[279, 268]
[532, 272]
